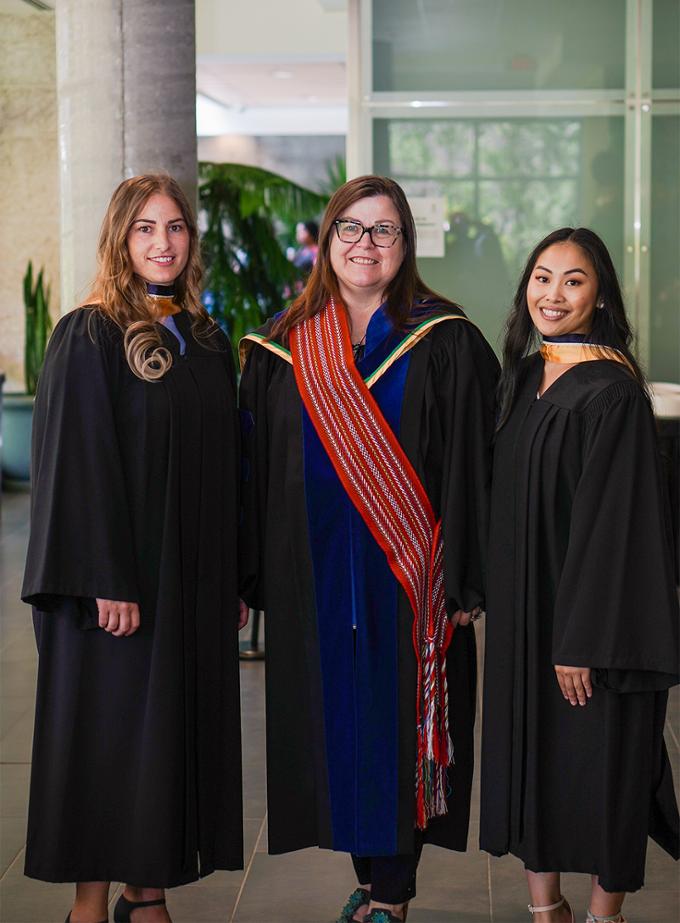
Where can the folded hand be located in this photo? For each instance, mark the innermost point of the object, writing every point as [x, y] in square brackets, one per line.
[121, 619]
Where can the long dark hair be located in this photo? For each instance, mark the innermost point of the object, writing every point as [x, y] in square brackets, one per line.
[403, 291]
[610, 324]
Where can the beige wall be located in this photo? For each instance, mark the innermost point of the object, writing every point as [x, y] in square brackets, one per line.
[270, 29]
[29, 174]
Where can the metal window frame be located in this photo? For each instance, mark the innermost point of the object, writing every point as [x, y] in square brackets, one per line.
[635, 103]
[637, 169]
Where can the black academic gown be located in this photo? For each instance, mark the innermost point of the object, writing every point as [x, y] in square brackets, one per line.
[445, 428]
[580, 574]
[136, 762]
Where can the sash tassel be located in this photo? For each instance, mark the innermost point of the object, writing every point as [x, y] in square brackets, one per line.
[385, 489]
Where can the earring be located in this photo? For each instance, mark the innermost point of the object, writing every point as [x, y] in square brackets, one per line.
[600, 305]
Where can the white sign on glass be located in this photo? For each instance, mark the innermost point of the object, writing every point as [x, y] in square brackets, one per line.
[428, 213]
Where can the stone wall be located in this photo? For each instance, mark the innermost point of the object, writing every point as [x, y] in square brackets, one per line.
[29, 174]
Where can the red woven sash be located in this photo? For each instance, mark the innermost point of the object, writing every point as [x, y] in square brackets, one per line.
[387, 492]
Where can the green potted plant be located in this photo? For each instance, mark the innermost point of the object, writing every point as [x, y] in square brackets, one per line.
[17, 418]
[249, 219]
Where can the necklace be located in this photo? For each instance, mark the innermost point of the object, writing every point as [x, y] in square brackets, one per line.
[358, 348]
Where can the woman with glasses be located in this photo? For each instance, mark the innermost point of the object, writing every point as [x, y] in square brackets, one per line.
[367, 413]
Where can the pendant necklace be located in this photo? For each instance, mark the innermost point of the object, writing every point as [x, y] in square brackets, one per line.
[358, 348]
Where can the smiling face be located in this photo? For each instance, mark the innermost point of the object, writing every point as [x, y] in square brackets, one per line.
[562, 291]
[363, 270]
[158, 240]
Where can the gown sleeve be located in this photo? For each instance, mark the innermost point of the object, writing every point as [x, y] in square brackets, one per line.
[466, 371]
[616, 607]
[81, 542]
[253, 414]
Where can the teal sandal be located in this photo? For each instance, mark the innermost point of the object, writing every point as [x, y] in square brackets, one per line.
[380, 915]
[356, 899]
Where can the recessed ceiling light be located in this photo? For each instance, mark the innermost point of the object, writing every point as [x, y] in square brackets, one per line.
[281, 75]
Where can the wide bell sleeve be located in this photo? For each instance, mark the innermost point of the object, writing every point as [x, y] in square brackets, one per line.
[616, 606]
[466, 373]
[81, 542]
[254, 468]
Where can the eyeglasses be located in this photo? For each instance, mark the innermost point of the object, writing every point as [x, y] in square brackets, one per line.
[382, 235]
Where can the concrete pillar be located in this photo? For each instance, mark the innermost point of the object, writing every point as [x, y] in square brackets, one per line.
[126, 83]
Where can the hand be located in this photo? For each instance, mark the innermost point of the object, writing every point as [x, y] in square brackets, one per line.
[575, 683]
[464, 618]
[243, 614]
[120, 619]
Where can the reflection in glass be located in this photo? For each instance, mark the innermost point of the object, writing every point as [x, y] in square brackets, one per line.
[665, 44]
[665, 250]
[450, 148]
[528, 147]
[510, 182]
[495, 45]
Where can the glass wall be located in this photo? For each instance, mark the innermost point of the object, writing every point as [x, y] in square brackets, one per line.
[455, 45]
[664, 314]
[528, 115]
[506, 183]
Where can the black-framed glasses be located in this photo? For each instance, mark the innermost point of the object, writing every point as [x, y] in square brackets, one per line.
[384, 234]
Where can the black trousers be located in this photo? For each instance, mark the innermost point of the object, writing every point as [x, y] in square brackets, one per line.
[392, 878]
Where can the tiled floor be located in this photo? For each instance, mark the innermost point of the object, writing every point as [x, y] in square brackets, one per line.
[306, 886]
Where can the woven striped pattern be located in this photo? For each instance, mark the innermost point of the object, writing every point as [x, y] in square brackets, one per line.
[387, 492]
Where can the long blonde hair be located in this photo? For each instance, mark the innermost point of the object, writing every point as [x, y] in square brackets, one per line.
[121, 295]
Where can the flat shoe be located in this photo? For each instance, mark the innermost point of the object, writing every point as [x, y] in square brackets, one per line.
[357, 898]
[380, 915]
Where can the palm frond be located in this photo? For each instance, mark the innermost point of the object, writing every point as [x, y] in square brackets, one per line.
[248, 277]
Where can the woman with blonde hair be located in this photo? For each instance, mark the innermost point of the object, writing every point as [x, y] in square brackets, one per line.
[131, 574]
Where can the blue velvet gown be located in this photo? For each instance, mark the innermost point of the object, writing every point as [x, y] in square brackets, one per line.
[341, 670]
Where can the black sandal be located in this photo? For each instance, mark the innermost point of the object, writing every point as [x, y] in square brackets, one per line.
[124, 907]
[68, 918]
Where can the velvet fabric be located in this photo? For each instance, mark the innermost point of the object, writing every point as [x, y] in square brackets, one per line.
[444, 424]
[357, 617]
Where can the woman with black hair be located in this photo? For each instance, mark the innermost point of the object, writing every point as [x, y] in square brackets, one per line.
[582, 633]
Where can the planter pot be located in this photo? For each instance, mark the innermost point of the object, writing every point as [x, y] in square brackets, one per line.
[17, 420]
